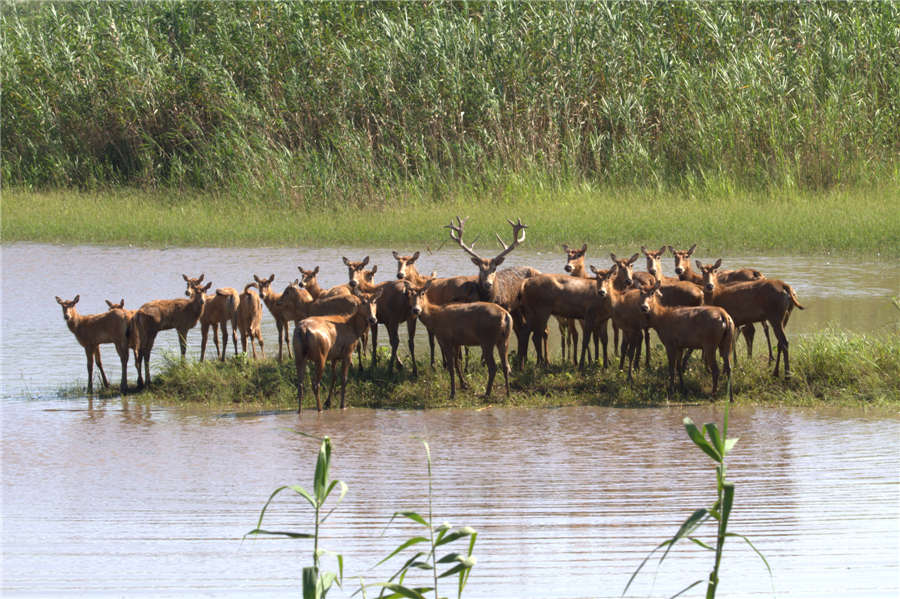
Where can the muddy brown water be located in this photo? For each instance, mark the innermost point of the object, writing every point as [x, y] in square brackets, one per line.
[112, 498]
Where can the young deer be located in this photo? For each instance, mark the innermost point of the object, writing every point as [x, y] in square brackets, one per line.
[627, 278]
[331, 338]
[218, 310]
[483, 324]
[161, 315]
[690, 327]
[575, 267]
[754, 301]
[624, 307]
[442, 291]
[278, 312]
[249, 319]
[725, 277]
[501, 288]
[134, 341]
[91, 330]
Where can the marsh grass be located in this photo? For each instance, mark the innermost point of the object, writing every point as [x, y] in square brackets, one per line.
[856, 220]
[830, 367]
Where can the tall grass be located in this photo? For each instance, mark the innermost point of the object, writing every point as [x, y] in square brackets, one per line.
[307, 104]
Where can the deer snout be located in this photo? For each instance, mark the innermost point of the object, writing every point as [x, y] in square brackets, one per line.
[417, 310]
[353, 283]
[568, 268]
[679, 270]
[400, 275]
[645, 308]
[373, 321]
[629, 282]
[709, 287]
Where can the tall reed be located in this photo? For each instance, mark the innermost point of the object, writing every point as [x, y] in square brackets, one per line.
[350, 103]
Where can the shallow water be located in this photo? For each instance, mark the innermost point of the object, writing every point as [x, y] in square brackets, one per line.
[114, 498]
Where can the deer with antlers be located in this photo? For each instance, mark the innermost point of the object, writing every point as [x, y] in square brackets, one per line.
[753, 301]
[92, 330]
[709, 328]
[501, 287]
[321, 339]
[160, 315]
[483, 324]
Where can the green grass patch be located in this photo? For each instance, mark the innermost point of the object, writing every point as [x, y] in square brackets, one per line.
[857, 220]
[830, 367]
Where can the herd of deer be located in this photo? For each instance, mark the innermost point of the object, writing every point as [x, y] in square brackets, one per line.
[696, 310]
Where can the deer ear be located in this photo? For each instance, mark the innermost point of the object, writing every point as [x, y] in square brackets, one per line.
[644, 250]
[109, 303]
[414, 257]
[633, 259]
[378, 294]
[374, 269]
[59, 300]
[365, 261]
[718, 263]
[475, 261]
[346, 262]
[257, 279]
[612, 257]
[691, 251]
[584, 248]
[75, 299]
[671, 249]
[498, 261]
[271, 278]
[699, 264]
[395, 255]
[200, 280]
[662, 250]
[208, 285]
[185, 277]
[427, 284]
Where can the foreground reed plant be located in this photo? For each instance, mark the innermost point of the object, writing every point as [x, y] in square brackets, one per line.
[316, 583]
[717, 446]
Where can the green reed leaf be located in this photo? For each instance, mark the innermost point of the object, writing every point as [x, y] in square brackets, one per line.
[700, 441]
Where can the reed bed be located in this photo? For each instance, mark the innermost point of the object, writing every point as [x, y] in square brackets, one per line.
[829, 367]
[349, 104]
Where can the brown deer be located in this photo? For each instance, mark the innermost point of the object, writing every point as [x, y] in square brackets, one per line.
[754, 301]
[442, 291]
[483, 324]
[575, 267]
[218, 310]
[282, 321]
[725, 277]
[161, 315]
[320, 339]
[501, 287]
[624, 307]
[627, 278]
[249, 319]
[690, 327]
[134, 342]
[92, 330]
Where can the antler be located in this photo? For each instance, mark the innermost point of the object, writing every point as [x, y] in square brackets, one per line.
[457, 237]
[518, 227]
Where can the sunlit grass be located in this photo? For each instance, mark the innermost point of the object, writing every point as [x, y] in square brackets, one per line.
[856, 220]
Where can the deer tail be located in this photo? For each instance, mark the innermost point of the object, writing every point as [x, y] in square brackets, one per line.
[793, 296]
[727, 344]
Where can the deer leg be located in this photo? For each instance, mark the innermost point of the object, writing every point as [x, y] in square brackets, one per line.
[278, 327]
[122, 350]
[573, 336]
[431, 346]
[259, 340]
[522, 334]
[563, 340]
[89, 353]
[317, 381]
[182, 342]
[331, 386]
[601, 335]
[672, 355]
[411, 342]
[487, 353]
[287, 337]
[100, 366]
[224, 326]
[616, 348]
[503, 350]
[233, 335]
[710, 354]
[300, 366]
[394, 340]
[765, 329]
[345, 369]
[647, 344]
[726, 366]
[749, 332]
[459, 370]
[782, 348]
[636, 349]
[450, 357]
[215, 332]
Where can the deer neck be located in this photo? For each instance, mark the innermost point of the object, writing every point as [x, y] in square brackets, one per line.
[578, 270]
[313, 287]
[415, 279]
[75, 321]
[691, 276]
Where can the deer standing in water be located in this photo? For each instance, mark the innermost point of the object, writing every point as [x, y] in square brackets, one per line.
[134, 342]
[218, 310]
[249, 319]
[483, 324]
[279, 312]
[92, 330]
[501, 287]
[320, 339]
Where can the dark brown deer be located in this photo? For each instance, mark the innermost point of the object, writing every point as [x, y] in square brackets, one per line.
[754, 301]
[92, 330]
[709, 328]
[725, 277]
[320, 339]
[160, 315]
[249, 319]
[501, 287]
[482, 324]
[442, 291]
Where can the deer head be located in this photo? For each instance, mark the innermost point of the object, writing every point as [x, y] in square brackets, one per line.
[709, 274]
[574, 258]
[682, 259]
[404, 263]
[626, 269]
[654, 266]
[487, 268]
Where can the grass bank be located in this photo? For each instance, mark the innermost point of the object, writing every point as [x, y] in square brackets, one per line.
[857, 220]
[830, 367]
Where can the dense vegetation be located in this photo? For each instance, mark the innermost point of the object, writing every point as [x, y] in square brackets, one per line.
[310, 104]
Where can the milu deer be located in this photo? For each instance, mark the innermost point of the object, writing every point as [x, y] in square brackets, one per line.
[709, 328]
[249, 319]
[279, 312]
[501, 287]
[754, 301]
[624, 308]
[725, 277]
[92, 330]
[219, 309]
[482, 324]
[575, 267]
[134, 342]
[161, 315]
[625, 279]
[460, 289]
[320, 339]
